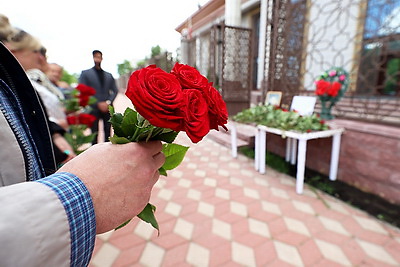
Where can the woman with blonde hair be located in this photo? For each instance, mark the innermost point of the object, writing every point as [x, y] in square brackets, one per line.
[32, 56]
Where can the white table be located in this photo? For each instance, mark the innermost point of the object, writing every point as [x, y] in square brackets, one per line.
[292, 137]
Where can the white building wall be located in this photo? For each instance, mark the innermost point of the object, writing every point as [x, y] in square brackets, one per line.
[332, 24]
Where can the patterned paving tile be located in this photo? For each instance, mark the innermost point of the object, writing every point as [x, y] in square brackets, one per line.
[221, 229]
[377, 252]
[333, 253]
[184, 228]
[242, 254]
[215, 210]
[334, 226]
[288, 254]
[152, 255]
[198, 255]
[106, 256]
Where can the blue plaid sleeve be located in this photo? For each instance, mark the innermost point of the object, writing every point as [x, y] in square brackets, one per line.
[80, 211]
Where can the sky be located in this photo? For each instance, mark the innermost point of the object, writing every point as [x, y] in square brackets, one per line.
[121, 29]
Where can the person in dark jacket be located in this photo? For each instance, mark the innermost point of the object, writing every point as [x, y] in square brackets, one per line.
[106, 91]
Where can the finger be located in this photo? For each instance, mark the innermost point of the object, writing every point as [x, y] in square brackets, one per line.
[159, 159]
[154, 146]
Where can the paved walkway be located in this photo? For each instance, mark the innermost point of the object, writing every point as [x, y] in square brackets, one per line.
[214, 210]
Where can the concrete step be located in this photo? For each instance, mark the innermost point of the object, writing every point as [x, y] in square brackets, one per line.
[223, 138]
[245, 132]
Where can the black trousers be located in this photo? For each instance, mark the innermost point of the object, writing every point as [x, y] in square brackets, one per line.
[105, 117]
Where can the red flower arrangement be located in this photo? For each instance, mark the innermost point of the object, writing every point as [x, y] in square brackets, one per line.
[330, 88]
[85, 92]
[78, 118]
[82, 118]
[166, 104]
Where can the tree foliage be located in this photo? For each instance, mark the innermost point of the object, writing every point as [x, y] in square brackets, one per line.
[125, 68]
[69, 78]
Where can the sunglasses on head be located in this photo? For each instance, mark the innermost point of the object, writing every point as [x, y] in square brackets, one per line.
[18, 36]
[42, 51]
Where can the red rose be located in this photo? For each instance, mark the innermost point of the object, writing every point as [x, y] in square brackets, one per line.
[85, 90]
[189, 77]
[83, 100]
[157, 96]
[72, 120]
[334, 89]
[196, 123]
[216, 107]
[87, 119]
[322, 87]
[83, 118]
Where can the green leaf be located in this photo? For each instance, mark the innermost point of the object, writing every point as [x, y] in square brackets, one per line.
[118, 140]
[116, 121]
[167, 137]
[92, 100]
[111, 110]
[147, 215]
[174, 155]
[162, 171]
[122, 225]
[128, 123]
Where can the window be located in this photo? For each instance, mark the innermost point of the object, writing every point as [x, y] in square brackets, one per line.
[380, 58]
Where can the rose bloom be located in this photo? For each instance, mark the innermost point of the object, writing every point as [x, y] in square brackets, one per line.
[189, 77]
[322, 87]
[334, 89]
[157, 96]
[217, 111]
[82, 118]
[196, 122]
[85, 90]
[83, 100]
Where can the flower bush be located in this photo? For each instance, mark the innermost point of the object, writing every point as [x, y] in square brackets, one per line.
[78, 117]
[276, 117]
[166, 104]
[330, 88]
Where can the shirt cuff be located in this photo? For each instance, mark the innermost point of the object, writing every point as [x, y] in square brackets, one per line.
[79, 208]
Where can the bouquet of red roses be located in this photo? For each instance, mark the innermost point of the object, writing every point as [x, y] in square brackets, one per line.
[166, 104]
[78, 118]
[330, 88]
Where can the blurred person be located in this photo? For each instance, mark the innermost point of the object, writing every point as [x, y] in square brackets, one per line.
[32, 56]
[54, 72]
[5, 28]
[52, 219]
[106, 92]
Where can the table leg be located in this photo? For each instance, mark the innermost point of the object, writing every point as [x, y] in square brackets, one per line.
[262, 150]
[288, 149]
[301, 164]
[294, 151]
[234, 141]
[334, 156]
[257, 150]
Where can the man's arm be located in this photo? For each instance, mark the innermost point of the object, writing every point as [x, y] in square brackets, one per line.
[114, 89]
[37, 229]
[53, 221]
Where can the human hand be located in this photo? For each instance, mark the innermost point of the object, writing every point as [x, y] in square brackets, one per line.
[119, 179]
[103, 106]
[63, 146]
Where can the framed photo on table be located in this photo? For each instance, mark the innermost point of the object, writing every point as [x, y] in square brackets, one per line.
[273, 98]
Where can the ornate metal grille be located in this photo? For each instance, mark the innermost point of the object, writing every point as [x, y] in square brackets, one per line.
[236, 67]
[307, 37]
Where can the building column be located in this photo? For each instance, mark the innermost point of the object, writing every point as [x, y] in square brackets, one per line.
[261, 44]
[233, 13]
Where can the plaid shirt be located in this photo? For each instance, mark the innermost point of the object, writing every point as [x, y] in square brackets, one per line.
[80, 211]
[72, 193]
